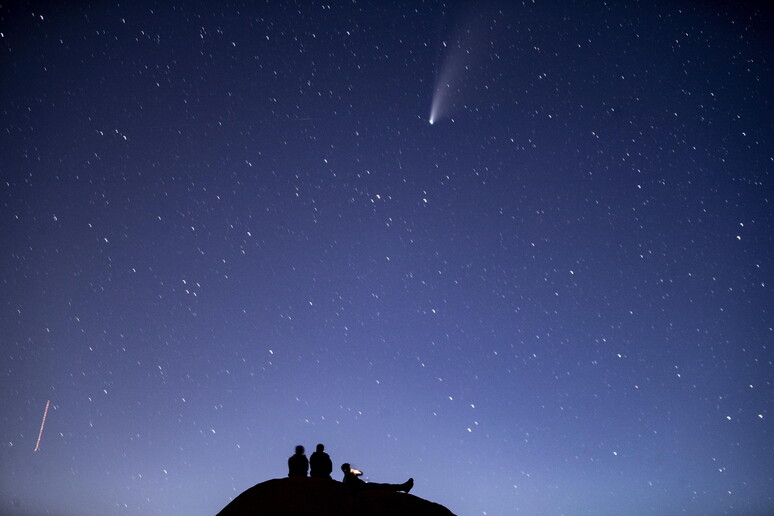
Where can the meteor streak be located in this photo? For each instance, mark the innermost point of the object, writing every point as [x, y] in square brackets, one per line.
[42, 424]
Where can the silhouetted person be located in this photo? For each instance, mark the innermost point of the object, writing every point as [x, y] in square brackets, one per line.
[351, 479]
[298, 464]
[320, 463]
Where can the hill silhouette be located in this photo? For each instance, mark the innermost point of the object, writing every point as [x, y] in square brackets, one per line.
[309, 496]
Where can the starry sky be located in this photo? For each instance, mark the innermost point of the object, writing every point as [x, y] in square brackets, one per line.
[231, 228]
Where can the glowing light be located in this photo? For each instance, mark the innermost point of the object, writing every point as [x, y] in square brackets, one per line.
[434, 109]
[42, 424]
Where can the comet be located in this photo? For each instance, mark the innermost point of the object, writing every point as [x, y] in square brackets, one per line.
[440, 104]
[42, 424]
[462, 55]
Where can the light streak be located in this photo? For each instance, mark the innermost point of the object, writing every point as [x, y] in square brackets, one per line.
[42, 424]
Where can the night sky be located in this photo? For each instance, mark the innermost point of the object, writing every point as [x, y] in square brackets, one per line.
[521, 252]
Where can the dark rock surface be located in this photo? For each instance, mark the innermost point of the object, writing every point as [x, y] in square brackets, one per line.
[306, 496]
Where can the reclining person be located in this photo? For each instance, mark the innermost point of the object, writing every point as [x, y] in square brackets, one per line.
[351, 479]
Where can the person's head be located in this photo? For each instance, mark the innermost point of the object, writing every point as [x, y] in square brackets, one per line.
[299, 450]
[320, 447]
[345, 467]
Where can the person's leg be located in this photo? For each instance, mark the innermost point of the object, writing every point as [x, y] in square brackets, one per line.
[374, 486]
[406, 486]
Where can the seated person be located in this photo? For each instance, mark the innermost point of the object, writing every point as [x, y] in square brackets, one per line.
[298, 464]
[320, 463]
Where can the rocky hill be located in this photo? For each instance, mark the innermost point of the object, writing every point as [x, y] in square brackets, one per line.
[307, 496]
